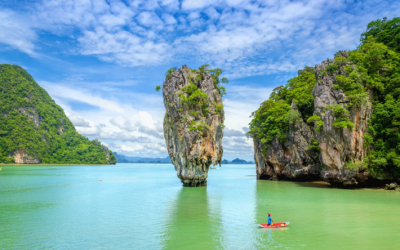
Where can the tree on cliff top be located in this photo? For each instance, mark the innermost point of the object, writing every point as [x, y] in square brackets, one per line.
[384, 31]
[272, 118]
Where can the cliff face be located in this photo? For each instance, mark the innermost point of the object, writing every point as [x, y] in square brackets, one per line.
[34, 129]
[324, 151]
[193, 123]
[289, 159]
[21, 157]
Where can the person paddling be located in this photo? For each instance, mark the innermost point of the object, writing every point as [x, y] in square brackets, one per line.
[270, 220]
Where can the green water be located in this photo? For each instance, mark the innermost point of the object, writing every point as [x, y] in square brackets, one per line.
[144, 206]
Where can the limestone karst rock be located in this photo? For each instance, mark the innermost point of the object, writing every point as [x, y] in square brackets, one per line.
[295, 160]
[34, 129]
[193, 123]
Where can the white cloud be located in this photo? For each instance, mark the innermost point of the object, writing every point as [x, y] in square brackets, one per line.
[89, 130]
[238, 148]
[173, 4]
[241, 101]
[148, 150]
[196, 4]
[79, 121]
[123, 136]
[169, 19]
[104, 132]
[80, 95]
[212, 13]
[193, 15]
[239, 141]
[16, 32]
[142, 122]
[127, 149]
[54, 13]
[123, 47]
[244, 37]
[232, 132]
[150, 19]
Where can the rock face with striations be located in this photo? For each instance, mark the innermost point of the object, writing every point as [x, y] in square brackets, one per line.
[193, 123]
[293, 159]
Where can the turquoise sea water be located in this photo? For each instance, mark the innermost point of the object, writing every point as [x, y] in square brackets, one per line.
[144, 206]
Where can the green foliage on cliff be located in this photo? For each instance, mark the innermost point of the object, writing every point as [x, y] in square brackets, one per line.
[215, 73]
[313, 119]
[193, 98]
[219, 108]
[317, 120]
[269, 121]
[31, 121]
[342, 116]
[378, 57]
[385, 31]
[169, 72]
[314, 150]
[299, 90]
[199, 126]
[195, 101]
[384, 137]
[273, 117]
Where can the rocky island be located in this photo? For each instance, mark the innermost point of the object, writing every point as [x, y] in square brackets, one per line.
[338, 121]
[34, 129]
[193, 121]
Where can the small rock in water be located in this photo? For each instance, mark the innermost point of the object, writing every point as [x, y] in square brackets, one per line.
[392, 186]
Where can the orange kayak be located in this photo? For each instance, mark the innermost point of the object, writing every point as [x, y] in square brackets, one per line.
[276, 224]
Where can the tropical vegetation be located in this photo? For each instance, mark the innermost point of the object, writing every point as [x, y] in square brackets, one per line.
[193, 100]
[31, 121]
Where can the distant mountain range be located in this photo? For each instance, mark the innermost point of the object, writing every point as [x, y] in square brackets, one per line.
[237, 161]
[129, 159]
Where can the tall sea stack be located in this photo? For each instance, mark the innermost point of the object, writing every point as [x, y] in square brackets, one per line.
[193, 122]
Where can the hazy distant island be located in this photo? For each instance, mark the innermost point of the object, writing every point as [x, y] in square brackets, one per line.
[34, 129]
[237, 161]
[129, 159]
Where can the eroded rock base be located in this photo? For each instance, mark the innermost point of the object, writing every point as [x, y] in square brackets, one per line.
[356, 181]
[194, 183]
[285, 178]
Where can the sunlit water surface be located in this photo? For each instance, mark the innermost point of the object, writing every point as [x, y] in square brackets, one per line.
[144, 206]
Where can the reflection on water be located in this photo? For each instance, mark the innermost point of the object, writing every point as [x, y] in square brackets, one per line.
[270, 239]
[189, 220]
[314, 184]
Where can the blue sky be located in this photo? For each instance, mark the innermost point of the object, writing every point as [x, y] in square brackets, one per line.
[101, 60]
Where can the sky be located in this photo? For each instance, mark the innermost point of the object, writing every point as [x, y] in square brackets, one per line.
[101, 60]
